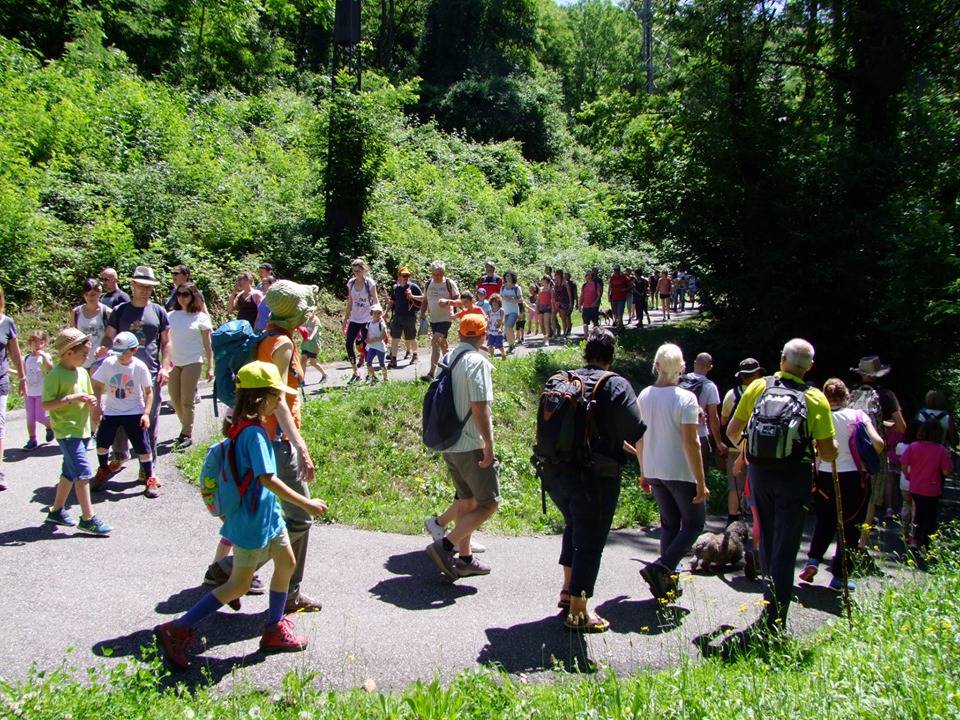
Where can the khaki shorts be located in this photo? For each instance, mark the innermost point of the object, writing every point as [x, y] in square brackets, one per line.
[471, 480]
[735, 482]
[246, 557]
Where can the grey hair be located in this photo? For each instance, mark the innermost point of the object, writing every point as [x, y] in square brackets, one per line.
[799, 353]
[437, 265]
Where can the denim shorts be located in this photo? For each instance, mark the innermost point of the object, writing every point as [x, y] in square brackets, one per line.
[511, 319]
[374, 354]
[495, 341]
[76, 466]
[618, 306]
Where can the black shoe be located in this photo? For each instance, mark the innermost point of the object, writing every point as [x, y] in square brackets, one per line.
[215, 575]
[256, 586]
[657, 578]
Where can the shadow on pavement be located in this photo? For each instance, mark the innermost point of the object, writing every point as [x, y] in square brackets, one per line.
[182, 601]
[821, 598]
[645, 617]
[418, 585]
[38, 533]
[534, 646]
[15, 455]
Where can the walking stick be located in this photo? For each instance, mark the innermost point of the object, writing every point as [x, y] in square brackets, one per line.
[842, 545]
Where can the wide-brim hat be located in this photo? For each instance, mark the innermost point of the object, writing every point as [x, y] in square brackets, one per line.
[69, 338]
[871, 366]
[144, 275]
[749, 366]
[290, 303]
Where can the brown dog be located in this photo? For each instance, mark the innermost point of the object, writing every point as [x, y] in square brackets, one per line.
[715, 551]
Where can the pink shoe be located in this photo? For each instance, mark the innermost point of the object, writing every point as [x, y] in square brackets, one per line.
[282, 638]
[810, 571]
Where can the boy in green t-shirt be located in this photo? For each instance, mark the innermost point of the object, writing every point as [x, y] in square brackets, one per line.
[69, 400]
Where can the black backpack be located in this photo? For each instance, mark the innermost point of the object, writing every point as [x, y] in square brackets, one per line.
[692, 383]
[777, 432]
[441, 424]
[737, 395]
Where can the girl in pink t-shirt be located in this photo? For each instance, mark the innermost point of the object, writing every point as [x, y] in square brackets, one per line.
[926, 462]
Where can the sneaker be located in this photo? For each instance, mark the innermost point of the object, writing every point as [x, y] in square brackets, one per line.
[118, 461]
[434, 528]
[152, 486]
[61, 517]
[48, 437]
[442, 559]
[99, 482]
[31, 445]
[476, 547]
[302, 604]
[94, 526]
[354, 379]
[256, 586]
[468, 569]
[427, 378]
[657, 580]
[175, 642]
[282, 638]
[115, 466]
[809, 571]
[392, 364]
[215, 575]
[836, 584]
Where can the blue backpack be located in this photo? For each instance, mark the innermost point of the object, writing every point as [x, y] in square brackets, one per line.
[222, 487]
[441, 424]
[865, 456]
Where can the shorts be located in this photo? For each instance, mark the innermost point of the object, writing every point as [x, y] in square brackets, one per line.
[735, 482]
[495, 342]
[373, 353]
[564, 307]
[255, 557]
[308, 354]
[76, 466]
[590, 315]
[131, 426]
[510, 320]
[521, 324]
[664, 296]
[471, 480]
[544, 309]
[618, 306]
[440, 328]
[405, 325]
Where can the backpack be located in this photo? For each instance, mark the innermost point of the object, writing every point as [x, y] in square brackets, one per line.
[442, 426]
[235, 344]
[367, 282]
[777, 430]
[737, 395]
[866, 399]
[692, 383]
[222, 488]
[865, 456]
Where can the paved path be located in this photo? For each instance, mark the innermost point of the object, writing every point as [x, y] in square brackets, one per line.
[388, 615]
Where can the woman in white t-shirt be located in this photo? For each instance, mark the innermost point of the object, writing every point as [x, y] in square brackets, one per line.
[854, 489]
[511, 295]
[671, 467]
[190, 332]
[91, 318]
[361, 295]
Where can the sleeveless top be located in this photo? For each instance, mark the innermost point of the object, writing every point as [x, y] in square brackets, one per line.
[247, 308]
[95, 327]
[361, 296]
[265, 351]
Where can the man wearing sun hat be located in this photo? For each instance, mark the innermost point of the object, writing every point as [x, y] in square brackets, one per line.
[404, 301]
[470, 460]
[148, 321]
[881, 404]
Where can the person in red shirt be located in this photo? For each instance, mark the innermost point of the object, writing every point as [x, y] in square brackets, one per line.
[589, 301]
[619, 287]
[926, 462]
[491, 282]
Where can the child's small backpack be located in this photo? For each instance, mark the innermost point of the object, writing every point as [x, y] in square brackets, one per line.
[441, 424]
[865, 456]
[777, 430]
[222, 488]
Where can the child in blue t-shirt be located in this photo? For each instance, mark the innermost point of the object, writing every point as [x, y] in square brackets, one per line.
[257, 530]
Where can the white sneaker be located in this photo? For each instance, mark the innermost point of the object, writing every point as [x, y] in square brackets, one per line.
[476, 547]
[434, 528]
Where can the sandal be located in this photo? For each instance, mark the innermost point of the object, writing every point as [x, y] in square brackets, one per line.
[588, 623]
[564, 602]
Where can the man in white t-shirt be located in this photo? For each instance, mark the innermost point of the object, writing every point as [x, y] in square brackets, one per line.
[470, 459]
[442, 294]
[749, 371]
[708, 397]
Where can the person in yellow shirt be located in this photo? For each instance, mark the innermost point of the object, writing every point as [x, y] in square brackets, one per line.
[780, 444]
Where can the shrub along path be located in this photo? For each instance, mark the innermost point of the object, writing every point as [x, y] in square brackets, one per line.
[388, 614]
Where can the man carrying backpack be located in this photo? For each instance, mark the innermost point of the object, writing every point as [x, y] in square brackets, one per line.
[583, 476]
[785, 420]
[708, 398]
[470, 458]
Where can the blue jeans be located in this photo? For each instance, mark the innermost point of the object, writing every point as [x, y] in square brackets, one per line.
[782, 498]
[681, 521]
[76, 465]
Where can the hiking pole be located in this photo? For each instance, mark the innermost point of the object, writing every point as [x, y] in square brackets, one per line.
[842, 545]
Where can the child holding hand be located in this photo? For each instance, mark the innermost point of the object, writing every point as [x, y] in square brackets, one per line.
[68, 398]
[256, 529]
[36, 364]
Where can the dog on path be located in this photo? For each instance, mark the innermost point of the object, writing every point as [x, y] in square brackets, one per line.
[716, 551]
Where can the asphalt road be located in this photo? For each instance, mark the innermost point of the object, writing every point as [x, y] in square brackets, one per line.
[388, 615]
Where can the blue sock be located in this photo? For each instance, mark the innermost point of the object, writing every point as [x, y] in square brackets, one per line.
[278, 600]
[206, 607]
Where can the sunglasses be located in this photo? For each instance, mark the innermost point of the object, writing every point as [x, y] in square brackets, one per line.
[184, 294]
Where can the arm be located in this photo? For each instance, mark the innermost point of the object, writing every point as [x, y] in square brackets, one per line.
[147, 404]
[166, 358]
[899, 424]
[827, 449]
[232, 304]
[875, 439]
[691, 449]
[483, 419]
[713, 421]
[206, 336]
[79, 398]
[47, 362]
[283, 491]
[13, 349]
[109, 333]
[282, 357]
[735, 430]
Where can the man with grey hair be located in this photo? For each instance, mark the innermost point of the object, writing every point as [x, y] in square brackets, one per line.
[779, 445]
[442, 295]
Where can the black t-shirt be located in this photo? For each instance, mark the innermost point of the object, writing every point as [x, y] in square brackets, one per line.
[641, 286]
[147, 323]
[401, 307]
[112, 299]
[617, 415]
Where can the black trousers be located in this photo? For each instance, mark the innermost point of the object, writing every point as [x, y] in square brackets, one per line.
[926, 512]
[587, 505]
[854, 490]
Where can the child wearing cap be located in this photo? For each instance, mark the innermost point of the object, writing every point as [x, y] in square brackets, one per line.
[124, 382]
[69, 401]
[257, 530]
[483, 303]
[376, 342]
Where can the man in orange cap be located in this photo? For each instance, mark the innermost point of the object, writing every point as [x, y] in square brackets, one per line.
[404, 301]
[470, 458]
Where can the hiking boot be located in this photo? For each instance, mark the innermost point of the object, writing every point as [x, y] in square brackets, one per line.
[151, 489]
[99, 481]
[215, 575]
[302, 604]
[809, 571]
[443, 559]
[413, 359]
[282, 638]
[175, 642]
[94, 526]
[182, 442]
[657, 578]
[434, 528]
[468, 569]
[31, 444]
[353, 379]
[48, 437]
[392, 364]
[61, 517]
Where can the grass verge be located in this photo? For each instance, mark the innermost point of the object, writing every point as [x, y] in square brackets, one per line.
[897, 661]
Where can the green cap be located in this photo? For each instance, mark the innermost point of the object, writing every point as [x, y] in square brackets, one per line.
[290, 303]
[259, 374]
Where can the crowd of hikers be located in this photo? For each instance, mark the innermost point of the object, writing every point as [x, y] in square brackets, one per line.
[846, 450]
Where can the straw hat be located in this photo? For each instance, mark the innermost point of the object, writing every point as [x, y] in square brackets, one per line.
[871, 366]
[69, 338]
